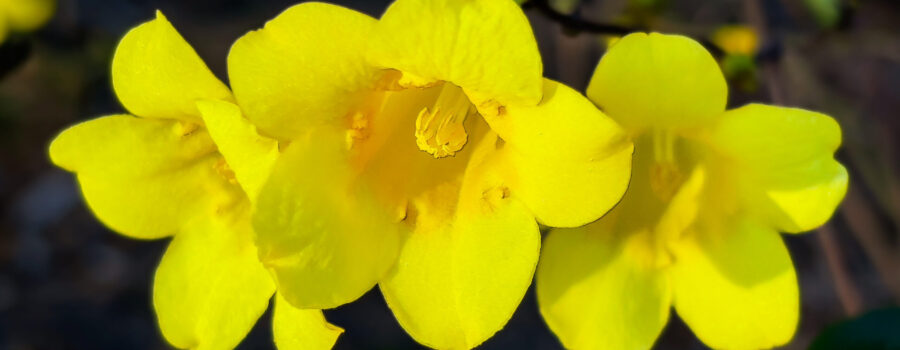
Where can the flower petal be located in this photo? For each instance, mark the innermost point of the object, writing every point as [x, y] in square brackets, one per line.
[570, 163]
[658, 80]
[210, 288]
[735, 286]
[302, 68]
[156, 74]
[484, 46]
[325, 238]
[684, 207]
[302, 329]
[248, 154]
[784, 160]
[458, 281]
[144, 178]
[596, 293]
[27, 15]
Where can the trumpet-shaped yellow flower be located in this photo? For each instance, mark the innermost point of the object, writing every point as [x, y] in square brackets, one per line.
[422, 147]
[24, 15]
[736, 40]
[698, 227]
[185, 163]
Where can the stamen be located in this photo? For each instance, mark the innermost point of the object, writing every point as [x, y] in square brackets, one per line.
[440, 130]
[665, 176]
[186, 128]
[225, 171]
[359, 129]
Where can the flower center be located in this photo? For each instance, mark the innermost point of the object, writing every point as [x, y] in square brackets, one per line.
[665, 175]
[439, 128]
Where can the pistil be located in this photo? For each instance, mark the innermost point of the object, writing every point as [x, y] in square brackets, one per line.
[439, 129]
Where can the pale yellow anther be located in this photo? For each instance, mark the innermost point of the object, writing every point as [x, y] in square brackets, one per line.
[665, 176]
[225, 171]
[439, 130]
[186, 128]
[359, 129]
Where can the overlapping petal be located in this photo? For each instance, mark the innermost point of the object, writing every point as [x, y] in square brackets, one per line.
[784, 161]
[458, 281]
[304, 68]
[248, 154]
[657, 80]
[596, 292]
[144, 178]
[326, 240]
[484, 46]
[156, 74]
[301, 329]
[568, 162]
[735, 285]
[210, 288]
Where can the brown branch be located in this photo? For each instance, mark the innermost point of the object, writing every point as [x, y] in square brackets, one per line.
[843, 285]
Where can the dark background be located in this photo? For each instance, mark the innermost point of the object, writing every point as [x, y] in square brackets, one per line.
[66, 282]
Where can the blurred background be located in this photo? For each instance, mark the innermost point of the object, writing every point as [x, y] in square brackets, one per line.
[66, 282]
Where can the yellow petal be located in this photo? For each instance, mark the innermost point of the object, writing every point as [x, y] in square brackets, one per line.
[735, 286]
[27, 15]
[210, 288]
[683, 208]
[598, 292]
[323, 236]
[302, 68]
[484, 46]
[156, 74]
[658, 80]
[458, 282]
[248, 154]
[784, 160]
[144, 178]
[301, 329]
[570, 163]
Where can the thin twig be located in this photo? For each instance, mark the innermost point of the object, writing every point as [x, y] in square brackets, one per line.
[578, 24]
[847, 294]
[860, 216]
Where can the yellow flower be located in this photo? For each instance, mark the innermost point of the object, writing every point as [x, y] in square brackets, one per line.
[24, 15]
[698, 227]
[422, 147]
[736, 40]
[185, 163]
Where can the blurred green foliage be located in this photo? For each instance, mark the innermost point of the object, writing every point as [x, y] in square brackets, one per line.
[826, 12]
[876, 330]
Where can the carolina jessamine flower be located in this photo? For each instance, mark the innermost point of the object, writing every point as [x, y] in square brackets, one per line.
[185, 164]
[698, 227]
[736, 40]
[426, 141]
[739, 44]
[24, 15]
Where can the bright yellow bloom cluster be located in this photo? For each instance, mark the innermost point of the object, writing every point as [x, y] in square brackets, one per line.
[698, 227]
[414, 152]
[418, 152]
[24, 15]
